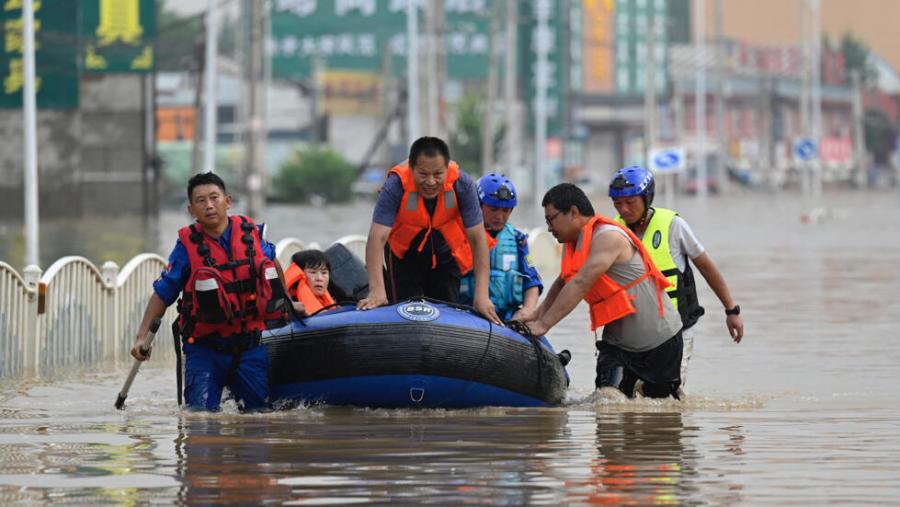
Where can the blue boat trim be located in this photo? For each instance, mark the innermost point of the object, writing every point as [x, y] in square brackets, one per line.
[401, 391]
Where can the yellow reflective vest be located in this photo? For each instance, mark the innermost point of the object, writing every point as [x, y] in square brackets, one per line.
[683, 290]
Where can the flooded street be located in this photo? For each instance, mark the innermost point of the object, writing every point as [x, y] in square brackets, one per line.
[804, 411]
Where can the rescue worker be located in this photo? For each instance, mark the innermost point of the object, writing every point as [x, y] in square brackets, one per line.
[515, 283]
[307, 280]
[427, 224]
[672, 243]
[231, 284]
[605, 264]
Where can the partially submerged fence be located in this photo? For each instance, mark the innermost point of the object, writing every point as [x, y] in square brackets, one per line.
[75, 314]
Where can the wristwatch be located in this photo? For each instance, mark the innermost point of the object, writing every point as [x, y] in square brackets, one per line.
[733, 311]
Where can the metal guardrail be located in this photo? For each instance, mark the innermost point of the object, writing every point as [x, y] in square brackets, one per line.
[75, 314]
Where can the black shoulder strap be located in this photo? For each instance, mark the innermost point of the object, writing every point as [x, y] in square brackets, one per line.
[202, 247]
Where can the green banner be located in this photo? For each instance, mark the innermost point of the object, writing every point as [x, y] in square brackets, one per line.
[556, 79]
[632, 24]
[354, 35]
[56, 53]
[118, 35]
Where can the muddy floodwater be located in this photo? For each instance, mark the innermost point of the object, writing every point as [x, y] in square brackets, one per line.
[805, 411]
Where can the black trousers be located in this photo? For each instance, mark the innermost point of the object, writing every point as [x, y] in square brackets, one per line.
[417, 275]
[659, 368]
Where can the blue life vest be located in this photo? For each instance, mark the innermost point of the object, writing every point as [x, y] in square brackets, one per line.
[506, 278]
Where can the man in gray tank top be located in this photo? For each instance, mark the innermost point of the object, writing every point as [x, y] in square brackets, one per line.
[641, 339]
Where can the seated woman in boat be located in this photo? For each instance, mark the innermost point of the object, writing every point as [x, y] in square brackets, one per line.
[307, 281]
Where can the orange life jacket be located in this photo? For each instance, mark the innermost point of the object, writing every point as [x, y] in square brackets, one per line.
[608, 300]
[298, 287]
[229, 293]
[413, 217]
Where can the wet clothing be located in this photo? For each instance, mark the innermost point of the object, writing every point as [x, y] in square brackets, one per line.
[670, 241]
[214, 362]
[659, 368]
[206, 372]
[644, 329]
[427, 250]
[512, 273]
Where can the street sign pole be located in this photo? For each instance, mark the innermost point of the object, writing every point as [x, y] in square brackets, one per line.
[540, 104]
[209, 123]
[29, 107]
[412, 71]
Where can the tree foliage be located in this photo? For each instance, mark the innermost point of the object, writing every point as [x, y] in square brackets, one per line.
[466, 134]
[856, 59]
[315, 171]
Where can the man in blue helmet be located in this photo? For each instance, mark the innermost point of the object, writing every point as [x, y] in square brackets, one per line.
[515, 283]
[671, 243]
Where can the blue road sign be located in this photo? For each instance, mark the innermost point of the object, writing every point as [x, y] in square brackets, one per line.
[667, 160]
[805, 149]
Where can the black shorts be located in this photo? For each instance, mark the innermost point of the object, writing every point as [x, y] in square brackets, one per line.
[659, 368]
[417, 275]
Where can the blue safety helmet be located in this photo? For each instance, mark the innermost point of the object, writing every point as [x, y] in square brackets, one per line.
[496, 190]
[633, 180]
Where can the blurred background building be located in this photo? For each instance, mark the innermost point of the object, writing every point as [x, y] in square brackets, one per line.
[305, 88]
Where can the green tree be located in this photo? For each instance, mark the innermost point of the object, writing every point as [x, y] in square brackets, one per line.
[315, 170]
[856, 59]
[466, 134]
[178, 40]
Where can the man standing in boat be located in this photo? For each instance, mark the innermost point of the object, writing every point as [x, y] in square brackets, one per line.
[605, 264]
[231, 286]
[427, 225]
[515, 283]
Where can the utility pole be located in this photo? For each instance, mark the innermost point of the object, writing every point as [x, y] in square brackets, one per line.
[199, 121]
[805, 123]
[650, 87]
[29, 114]
[209, 127]
[412, 71]
[431, 69]
[542, 75]
[678, 113]
[440, 56]
[487, 132]
[721, 134]
[817, 134]
[700, 96]
[255, 175]
[859, 139]
[509, 86]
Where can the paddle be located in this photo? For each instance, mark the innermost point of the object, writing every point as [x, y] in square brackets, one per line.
[120, 401]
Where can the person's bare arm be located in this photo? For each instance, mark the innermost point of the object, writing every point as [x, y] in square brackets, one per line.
[526, 314]
[378, 236]
[716, 282]
[606, 249]
[482, 267]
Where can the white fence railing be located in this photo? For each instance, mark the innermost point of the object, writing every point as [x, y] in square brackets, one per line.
[75, 314]
[72, 314]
